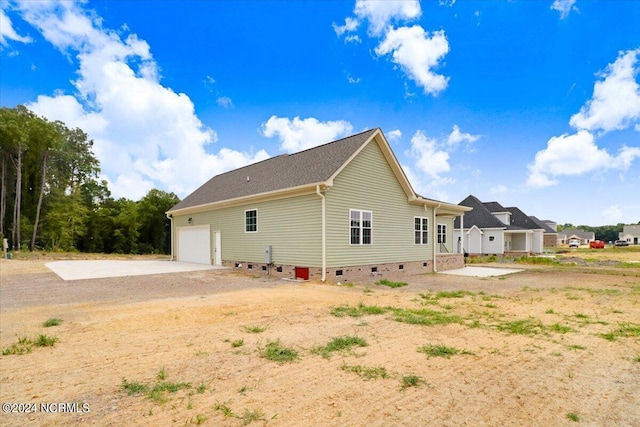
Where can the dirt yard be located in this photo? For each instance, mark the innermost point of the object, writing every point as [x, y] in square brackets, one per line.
[553, 345]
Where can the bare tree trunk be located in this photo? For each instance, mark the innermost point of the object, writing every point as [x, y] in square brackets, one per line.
[3, 194]
[15, 232]
[42, 182]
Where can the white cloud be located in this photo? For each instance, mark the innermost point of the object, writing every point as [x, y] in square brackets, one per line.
[380, 14]
[564, 7]
[350, 24]
[615, 103]
[300, 134]
[447, 3]
[225, 101]
[456, 137]
[394, 135]
[146, 135]
[7, 32]
[577, 154]
[416, 53]
[429, 159]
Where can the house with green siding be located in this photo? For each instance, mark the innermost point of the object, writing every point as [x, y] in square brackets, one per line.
[340, 211]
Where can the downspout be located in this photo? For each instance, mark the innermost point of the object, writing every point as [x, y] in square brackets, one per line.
[324, 235]
[462, 234]
[435, 238]
[171, 219]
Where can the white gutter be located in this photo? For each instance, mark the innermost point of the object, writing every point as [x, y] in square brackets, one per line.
[462, 234]
[435, 234]
[324, 235]
[170, 216]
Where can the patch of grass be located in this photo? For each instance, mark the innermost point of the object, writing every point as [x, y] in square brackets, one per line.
[237, 343]
[550, 311]
[432, 350]
[224, 408]
[358, 311]
[134, 388]
[625, 329]
[391, 284]
[250, 416]
[423, 317]
[453, 294]
[255, 329]
[274, 351]
[576, 347]
[528, 326]
[366, 373]
[637, 359]
[51, 322]
[573, 417]
[343, 343]
[411, 381]
[201, 388]
[162, 374]
[25, 344]
[563, 329]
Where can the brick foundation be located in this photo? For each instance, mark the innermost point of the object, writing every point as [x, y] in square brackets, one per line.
[359, 273]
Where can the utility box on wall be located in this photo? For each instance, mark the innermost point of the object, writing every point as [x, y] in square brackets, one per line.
[268, 259]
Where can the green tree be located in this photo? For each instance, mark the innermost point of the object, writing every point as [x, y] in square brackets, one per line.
[154, 226]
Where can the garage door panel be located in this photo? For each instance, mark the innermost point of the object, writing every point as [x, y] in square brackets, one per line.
[194, 244]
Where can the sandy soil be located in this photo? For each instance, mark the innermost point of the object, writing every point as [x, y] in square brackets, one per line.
[183, 327]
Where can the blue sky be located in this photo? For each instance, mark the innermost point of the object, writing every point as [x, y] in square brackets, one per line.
[534, 104]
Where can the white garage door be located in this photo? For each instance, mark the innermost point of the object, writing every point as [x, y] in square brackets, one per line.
[194, 244]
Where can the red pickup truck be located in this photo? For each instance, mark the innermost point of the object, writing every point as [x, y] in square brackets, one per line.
[596, 244]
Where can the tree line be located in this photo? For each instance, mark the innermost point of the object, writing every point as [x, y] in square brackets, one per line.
[607, 233]
[52, 198]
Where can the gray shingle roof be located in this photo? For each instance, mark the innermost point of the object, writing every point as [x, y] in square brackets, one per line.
[480, 216]
[542, 225]
[314, 165]
[494, 207]
[522, 220]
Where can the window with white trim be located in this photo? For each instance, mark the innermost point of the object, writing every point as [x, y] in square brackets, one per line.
[442, 233]
[360, 227]
[421, 230]
[251, 221]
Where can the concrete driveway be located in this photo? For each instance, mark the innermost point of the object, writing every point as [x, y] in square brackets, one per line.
[98, 269]
[481, 271]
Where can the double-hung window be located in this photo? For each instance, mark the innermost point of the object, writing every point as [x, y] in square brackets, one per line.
[360, 227]
[251, 221]
[421, 230]
[442, 233]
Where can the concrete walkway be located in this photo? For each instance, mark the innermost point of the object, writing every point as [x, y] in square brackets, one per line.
[481, 271]
[98, 269]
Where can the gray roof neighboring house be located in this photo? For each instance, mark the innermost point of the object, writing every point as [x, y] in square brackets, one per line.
[543, 225]
[315, 165]
[521, 220]
[579, 233]
[480, 216]
[494, 207]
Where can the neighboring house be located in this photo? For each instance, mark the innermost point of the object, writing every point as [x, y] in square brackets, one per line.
[631, 234]
[569, 234]
[340, 211]
[550, 236]
[491, 229]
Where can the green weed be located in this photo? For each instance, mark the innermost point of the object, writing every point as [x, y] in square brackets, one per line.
[274, 351]
[528, 326]
[51, 322]
[255, 329]
[573, 416]
[423, 317]
[344, 343]
[134, 388]
[365, 372]
[432, 350]
[391, 284]
[411, 381]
